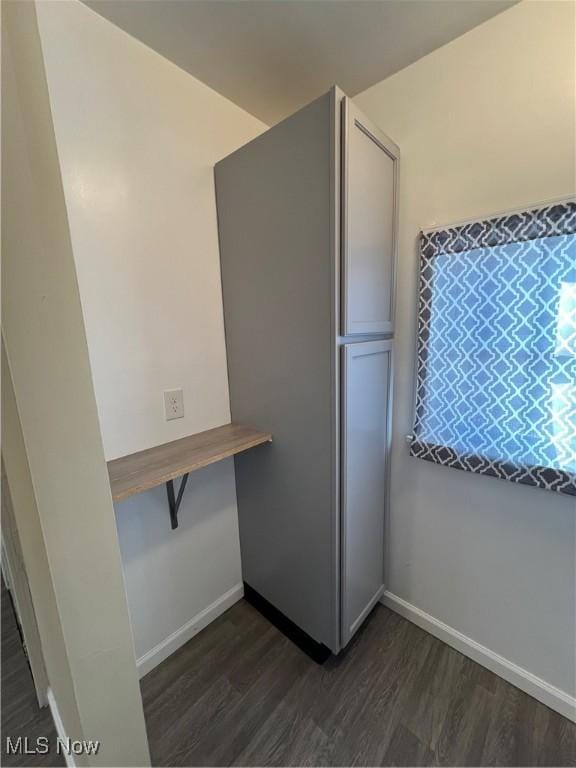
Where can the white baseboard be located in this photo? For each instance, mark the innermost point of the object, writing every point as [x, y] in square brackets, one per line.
[59, 725]
[166, 648]
[552, 697]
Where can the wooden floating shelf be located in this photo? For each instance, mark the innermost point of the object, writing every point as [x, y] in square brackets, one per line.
[141, 471]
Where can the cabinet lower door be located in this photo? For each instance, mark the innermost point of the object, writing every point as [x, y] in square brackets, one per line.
[367, 369]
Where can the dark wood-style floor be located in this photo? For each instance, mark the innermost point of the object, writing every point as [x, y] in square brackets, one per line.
[21, 715]
[240, 693]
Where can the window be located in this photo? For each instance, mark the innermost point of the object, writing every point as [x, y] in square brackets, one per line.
[496, 366]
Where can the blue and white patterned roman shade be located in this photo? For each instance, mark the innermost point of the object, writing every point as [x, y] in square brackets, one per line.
[496, 366]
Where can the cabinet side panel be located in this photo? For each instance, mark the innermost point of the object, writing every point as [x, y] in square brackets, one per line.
[274, 217]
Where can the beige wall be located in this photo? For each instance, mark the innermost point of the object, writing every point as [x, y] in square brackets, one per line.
[68, 519]
[485, 124]
[137, 140]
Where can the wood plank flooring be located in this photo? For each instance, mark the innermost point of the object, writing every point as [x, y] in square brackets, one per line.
[240, 693]
[21, 715]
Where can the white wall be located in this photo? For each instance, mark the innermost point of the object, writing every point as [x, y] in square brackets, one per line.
[485, 124]
[137, 139]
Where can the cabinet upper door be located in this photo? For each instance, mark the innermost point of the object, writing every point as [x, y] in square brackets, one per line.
[367, 368]
[370, 225]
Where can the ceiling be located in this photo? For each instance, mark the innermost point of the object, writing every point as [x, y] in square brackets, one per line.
[272, 56]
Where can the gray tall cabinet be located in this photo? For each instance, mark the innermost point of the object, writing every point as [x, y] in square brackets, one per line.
[307, 220]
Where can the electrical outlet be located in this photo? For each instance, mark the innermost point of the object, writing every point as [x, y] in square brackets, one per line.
[173, 404]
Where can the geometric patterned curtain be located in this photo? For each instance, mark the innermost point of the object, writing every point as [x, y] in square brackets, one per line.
[496, 364]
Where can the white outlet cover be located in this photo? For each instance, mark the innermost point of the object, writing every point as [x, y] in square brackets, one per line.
[173, 404]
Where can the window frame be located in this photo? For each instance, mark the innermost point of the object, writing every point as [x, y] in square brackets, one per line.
[548, 219]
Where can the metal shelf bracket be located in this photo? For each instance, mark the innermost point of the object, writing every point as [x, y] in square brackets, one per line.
[174, 501]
